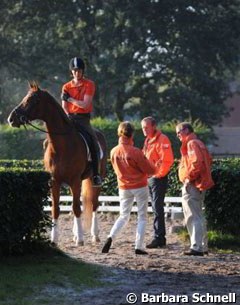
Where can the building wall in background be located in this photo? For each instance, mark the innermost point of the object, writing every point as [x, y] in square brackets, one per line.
[228, 133]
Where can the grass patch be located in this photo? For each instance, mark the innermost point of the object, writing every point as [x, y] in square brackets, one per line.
[47, 278]
[225, 242]
[217, 241]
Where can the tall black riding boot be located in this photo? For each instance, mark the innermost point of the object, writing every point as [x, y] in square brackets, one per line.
[96, 180]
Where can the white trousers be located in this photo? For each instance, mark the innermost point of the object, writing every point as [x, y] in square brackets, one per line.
[126, 202]
[192, 203]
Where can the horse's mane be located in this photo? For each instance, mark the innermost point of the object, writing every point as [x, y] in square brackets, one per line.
[57, 105]
[34, 88]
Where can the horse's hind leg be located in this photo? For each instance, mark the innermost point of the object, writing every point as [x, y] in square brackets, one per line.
[94, 226]
[77, 222]
[90, 202]
[55, 193]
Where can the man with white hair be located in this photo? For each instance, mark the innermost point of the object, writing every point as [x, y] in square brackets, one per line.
[195, 174]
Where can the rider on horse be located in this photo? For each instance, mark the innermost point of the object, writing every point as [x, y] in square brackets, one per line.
[77, 96]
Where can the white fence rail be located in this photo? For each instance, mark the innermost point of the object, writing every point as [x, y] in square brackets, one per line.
[105, 207]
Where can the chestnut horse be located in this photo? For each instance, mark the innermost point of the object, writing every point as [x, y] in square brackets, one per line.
[66, 158]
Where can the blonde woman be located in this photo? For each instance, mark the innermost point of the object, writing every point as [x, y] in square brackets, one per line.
[132, 170]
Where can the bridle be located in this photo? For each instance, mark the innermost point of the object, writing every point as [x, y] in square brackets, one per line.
[24, 120]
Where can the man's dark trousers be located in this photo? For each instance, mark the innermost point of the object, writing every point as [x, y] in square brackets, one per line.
[157, 189]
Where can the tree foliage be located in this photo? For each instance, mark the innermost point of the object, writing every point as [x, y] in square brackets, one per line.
[171, 59]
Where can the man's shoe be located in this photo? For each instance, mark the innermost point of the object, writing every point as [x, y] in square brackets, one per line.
[156, 244]
[192, 252]
[107, 245]
[96, 181]
[141, 252]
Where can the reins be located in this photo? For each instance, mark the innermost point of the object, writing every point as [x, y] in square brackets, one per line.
[42, 130]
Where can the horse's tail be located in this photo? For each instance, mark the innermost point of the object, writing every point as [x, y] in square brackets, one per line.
[87, 201]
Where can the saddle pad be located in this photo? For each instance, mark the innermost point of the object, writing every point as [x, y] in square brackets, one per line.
[89, 157]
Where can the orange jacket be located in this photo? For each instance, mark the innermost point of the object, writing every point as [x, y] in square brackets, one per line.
[195, 163]
[159, 151]
[130, 165]
[77, 92]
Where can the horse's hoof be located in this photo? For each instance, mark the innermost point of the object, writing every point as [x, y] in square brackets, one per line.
[54, 241]
[53, 244]
[95, 239]
[79, 243]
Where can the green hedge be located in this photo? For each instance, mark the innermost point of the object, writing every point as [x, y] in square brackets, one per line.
[22, 164]
[109, 129]
[222, 201]
[18, 143]
[22, 219]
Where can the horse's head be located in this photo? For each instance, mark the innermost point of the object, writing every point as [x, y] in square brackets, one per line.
[28, 109]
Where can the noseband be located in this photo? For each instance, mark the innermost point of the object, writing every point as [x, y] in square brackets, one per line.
[21, 116]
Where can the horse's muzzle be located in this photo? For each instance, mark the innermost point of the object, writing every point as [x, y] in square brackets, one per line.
[12, 121]
[16, 119]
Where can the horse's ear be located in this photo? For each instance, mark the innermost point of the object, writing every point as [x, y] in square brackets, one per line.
[33, 85]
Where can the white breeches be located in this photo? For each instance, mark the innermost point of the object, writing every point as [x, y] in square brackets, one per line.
[126, 202]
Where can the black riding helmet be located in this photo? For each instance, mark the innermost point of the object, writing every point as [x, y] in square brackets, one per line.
[76, 63]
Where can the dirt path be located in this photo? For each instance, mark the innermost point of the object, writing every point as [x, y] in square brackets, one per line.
[165, 274]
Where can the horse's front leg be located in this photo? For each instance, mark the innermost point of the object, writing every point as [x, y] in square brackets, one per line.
[55, 193]
[77, 222]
